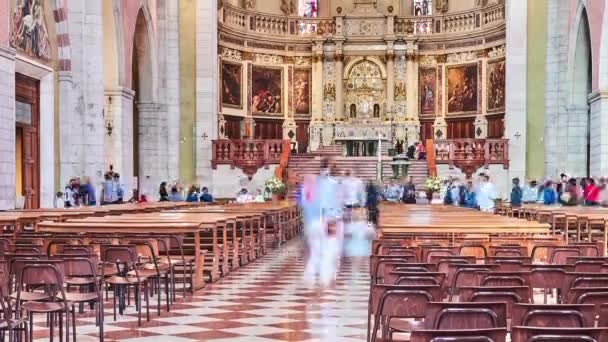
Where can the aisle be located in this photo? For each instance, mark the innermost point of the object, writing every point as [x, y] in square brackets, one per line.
[264, 301]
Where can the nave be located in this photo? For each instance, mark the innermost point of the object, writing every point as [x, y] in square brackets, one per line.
[263, 301]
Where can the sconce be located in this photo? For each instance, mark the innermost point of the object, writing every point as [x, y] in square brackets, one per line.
[109, 127]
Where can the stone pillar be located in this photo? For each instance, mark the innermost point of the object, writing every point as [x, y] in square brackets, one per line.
[150, 165]
[599, 139]
[339, 76]
[67, 151]
[317, 86]
[47, 141]
[412, 84]
[515, 106]
[7, 128]
[207, 79]
[119, 144]
[390, 83]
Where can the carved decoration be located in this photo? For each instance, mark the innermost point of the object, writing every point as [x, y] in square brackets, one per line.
[329, 92]
[287, 7]
[400, 91]
[250, 4]
[427, 60]
[365, 27]
[268, 59]
[497, 52]
[231, 54]
[462, 57]
[301, 61]
[441, 6]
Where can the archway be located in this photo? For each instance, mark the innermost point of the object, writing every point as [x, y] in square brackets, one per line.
[141, 84]
[581, 88]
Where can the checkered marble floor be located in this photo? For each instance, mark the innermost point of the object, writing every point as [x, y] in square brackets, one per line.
[264, 301]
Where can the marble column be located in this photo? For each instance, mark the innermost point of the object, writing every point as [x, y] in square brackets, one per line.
[481, 122]
[7, 128]
[339, 76]
[411, 86]
[206, 87]
[67, 152]
[47, 141]
[317, 87]
[515, 106]
[390, 84]
[119, 145]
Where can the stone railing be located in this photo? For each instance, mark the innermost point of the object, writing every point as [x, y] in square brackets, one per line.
[470, 154]
[248, 155]
[293, 26]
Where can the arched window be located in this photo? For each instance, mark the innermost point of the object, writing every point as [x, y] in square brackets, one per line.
[308, 8]
[423, 7]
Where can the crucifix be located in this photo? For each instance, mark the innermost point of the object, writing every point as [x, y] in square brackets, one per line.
[204, 136]
[517, 135]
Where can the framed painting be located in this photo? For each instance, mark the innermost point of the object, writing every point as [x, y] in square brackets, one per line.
[427, 88]
[495, 80]
[266, 87]
[301, 91]
[462, 89]
[232, 79]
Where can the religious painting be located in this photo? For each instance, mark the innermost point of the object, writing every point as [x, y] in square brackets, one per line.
[462, 89]
[301, 89]
[495, 80]
[266, 90]
[29, 32]
[232, 85]
[427, 85]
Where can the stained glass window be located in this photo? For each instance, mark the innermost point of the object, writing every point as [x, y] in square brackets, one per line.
[423, 7]
[308, 8]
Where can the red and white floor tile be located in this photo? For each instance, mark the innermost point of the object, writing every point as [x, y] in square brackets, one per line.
[264, 301]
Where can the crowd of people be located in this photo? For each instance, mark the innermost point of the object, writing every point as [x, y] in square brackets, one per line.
[567, 191]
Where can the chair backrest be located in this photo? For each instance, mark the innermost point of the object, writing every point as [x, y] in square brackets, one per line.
[588, 295]
[574, 259]
[476, 335]
[452, 320]
[415, 278]
[500, 278]
[590, 282]
[547, 277]
[554, 315]
[572, 277]
[42, 272]
[4, 246]
[602, 315]
[534, 334]
[588, 266]
[561, 254]
[507, 294]
[509, 251]
[427, 251]
[467, 274]
[402, 300]
[376, 263]
[589, 249]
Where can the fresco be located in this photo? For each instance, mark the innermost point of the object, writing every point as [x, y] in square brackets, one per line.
[29, 32]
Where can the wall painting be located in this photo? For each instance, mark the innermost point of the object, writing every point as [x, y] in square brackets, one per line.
[266, 90]
[462, 89]
[29, 32]
[232, 76]
[427, 83]
[301, 90]
[495, 80]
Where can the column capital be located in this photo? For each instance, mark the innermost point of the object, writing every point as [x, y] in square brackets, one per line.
[317, 58]
[339, 57]
[390, 56]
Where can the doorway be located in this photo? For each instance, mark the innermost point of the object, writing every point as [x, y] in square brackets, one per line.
[27, 156]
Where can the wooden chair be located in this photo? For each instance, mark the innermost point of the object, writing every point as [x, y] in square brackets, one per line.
[477, 335]
[534, 334]
[466, 275]
[554, 315]
[508, 294]
[453, 316]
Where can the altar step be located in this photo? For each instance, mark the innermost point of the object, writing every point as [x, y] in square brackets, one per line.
[362, 167]
[336, 149]
[419, 170]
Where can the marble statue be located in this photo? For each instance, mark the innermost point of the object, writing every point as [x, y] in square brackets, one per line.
[250, 4]
[287, 7]
[441, 6]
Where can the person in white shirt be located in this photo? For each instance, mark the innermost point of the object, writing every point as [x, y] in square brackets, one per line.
[243, 196]
[487, 195]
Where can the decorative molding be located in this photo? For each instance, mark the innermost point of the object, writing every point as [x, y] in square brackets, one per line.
[267, 59]
[301, 61]
[329, 92]
[462, 57]
[427, 60]
[232, 54]
[497, 52]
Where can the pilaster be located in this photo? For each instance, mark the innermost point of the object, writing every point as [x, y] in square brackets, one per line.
[118, 135]
[390, 83]
[339, 76]
[7, 128]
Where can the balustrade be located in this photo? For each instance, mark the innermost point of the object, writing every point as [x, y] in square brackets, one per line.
[277, 25]
[470, 154]
[248, 155]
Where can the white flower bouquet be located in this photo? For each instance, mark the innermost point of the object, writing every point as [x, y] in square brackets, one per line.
[275, 186]
[432, 184]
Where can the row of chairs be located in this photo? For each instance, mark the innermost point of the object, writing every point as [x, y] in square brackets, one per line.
[413, 282]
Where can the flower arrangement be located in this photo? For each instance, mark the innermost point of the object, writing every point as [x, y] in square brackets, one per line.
[275, 186]
[432, 184]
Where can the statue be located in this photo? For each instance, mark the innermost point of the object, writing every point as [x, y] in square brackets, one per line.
[441, 6]
[481, 3]
[376, 110]
[353, 110]
[287, 7]
[249, 4]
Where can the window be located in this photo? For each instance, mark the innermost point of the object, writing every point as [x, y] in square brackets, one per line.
[423, 7]
[308, 8]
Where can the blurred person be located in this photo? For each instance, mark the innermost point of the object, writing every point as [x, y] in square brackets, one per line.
[372, 202]
[486, 195]
[455, 191]
[206, 197]
[516, 197]
[192, 194]
[108, 195]
[118, 188]
[549, 197]
[59, 203]
[259, 198]
[409, 192]
[243, 196]
[592, 197]
[353, 190]
[394, 192]
[603, 186]
[162, 192]
[562, 185]
[530, 192]
[175, 195]
[420, 153]
[447, 192]
[71, 194]
[570, 196]
[470, 200]
[323, 204]
[89, 191]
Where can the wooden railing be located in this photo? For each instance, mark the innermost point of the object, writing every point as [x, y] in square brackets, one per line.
[248, 155]
[471, 154]
[243, 20]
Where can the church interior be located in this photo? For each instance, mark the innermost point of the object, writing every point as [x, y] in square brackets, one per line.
[304, 170]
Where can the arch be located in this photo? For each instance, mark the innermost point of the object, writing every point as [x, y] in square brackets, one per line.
[579, 26]
[144, 50]
[353, 62]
